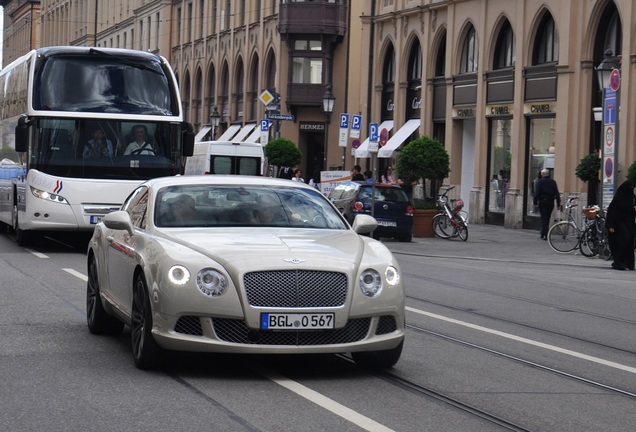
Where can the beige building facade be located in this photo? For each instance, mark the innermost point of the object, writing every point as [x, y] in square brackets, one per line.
[510, 88]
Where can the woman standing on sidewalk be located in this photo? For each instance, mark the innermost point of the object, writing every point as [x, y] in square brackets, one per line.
[621, 226]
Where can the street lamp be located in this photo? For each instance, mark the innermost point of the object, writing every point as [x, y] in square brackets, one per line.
[328, 101]
[215, 119]
[605, 68]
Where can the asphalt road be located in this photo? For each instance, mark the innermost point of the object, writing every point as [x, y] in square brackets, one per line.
[503, 334]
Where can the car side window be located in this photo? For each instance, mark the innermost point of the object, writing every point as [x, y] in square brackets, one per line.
[137, 205]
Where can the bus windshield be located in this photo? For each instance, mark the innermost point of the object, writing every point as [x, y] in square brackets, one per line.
[103, 83]
[104, 149]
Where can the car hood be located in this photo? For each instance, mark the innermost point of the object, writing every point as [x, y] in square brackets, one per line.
[316, 247]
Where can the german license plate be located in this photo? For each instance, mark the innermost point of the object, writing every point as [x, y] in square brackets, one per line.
[96, 219]
[284, 321]
[387, 223]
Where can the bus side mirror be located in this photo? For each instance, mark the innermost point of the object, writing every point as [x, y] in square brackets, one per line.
[188, 140]
[22, 134]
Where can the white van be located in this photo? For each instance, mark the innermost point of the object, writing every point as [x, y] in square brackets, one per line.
[226, 157]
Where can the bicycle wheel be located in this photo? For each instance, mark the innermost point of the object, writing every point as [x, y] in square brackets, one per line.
[461, 229]
[589, 245]
[442, 226]
[563, 237]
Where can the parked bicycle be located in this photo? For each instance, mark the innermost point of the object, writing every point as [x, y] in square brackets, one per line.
[565, 236]
[449, 222]
[594, 238]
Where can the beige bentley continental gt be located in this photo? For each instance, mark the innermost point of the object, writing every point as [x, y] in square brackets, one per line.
[239, 264]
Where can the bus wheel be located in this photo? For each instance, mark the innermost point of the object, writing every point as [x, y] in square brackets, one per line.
[21, 237]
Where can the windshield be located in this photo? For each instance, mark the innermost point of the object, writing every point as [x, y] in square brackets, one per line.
[103, 83]
[105, 149]
[258, 206]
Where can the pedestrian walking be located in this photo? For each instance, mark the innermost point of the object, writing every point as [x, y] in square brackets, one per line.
[621, 226]
[546, 191]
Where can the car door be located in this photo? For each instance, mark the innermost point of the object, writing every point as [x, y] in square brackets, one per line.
[122, 251]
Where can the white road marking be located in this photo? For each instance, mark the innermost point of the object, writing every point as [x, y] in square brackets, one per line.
[37, 254]
[527, 341]
[76, 274]
[325, 402]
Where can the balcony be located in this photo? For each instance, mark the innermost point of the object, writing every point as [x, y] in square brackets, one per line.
[313, 17]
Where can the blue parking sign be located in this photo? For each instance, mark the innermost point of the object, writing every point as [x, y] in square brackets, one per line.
[344, 121]
[264, 125]
[356, 126]
[374, 133]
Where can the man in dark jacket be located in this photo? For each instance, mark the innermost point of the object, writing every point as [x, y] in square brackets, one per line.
[546, 191]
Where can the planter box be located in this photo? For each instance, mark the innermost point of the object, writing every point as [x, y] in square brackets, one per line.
[423, 222]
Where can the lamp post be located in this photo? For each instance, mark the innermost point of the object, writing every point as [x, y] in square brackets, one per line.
[609, 82]
[215, 119]
[328, 101]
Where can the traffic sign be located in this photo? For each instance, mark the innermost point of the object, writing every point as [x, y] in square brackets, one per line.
[266, 97]
[615, 80]
[344, 130]
[281, 116]
[356, 126]
[355, 143]
[373, 138]
[384, 137]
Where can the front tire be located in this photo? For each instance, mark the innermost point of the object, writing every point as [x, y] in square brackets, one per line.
[99, 322]
[146, 352]
[378, 359]
[442, 226]
[563, 237]
[589, 245]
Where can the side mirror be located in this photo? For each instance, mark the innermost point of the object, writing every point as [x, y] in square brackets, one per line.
[22, 134]
[119, 220]
[364, 224]
[188, 140]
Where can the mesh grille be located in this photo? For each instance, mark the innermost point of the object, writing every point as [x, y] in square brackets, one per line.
[190, 325]
[295, 288]
[235, 331]
[386, 325]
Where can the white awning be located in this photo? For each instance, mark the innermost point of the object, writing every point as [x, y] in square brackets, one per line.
[400, 136]
[244, 132]
[255, 136]
[202, 133]
[229, 133]
[363, 150]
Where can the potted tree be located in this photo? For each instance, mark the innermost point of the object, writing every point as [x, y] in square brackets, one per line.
[424, 158]
[588, 171]
[281, 152]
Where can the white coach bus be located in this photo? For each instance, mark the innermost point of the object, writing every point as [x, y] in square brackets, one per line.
[81, 128]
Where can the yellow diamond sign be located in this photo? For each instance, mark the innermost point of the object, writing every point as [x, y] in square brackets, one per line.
[266, 97]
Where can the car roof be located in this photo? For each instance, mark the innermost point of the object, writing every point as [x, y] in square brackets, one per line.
[218, 179]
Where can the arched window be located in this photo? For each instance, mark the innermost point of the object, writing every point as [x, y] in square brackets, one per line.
[239, 89]
[414, 90]
[468, 63]
[253, 90]
[546, 47]
[388, 84]
[505, 48]
[440, 58]
[211, 98]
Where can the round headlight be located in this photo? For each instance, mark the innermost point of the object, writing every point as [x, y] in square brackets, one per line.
[392, 276]
[211, 282]
[370, 283]
[178, 275]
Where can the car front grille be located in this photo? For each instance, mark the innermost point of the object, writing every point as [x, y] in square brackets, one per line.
[295, 288]
[235, 331]
[189, 325]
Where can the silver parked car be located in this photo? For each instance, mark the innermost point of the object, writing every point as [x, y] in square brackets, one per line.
[239, 264]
